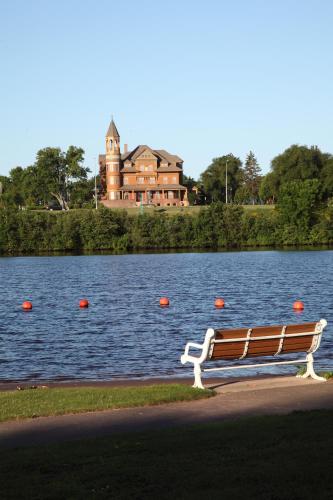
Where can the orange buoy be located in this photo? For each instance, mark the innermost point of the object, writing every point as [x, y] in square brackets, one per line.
[298, 305]
[27, 306]
[164, 301]
[84, 303]
[219, 302]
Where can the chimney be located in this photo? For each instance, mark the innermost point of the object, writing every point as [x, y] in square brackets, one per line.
[125, 148]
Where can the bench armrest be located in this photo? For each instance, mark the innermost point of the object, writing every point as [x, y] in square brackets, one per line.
[186, 357]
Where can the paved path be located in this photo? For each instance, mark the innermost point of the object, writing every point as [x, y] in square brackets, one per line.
[278, 395]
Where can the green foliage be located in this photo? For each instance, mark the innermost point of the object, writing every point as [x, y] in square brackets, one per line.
[297, 220]
[299, 163]
[296, 207]
[214, 178]
[268, 188]
[54, 175]
[252, 177]
[55, 170]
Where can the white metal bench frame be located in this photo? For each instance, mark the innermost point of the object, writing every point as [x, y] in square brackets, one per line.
[207, 349]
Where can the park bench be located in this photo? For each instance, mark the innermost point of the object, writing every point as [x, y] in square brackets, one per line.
[242, 343]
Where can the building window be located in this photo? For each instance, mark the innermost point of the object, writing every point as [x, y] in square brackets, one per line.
[165, 179]
[151, 180]
[112, 168]
[113, 179]
[142, 168]
[140, 180]
[174, 179]
[125, 180]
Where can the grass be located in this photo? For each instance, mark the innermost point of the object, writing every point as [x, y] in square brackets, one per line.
[191, 210]
[263, 458]
[15, 405]
[302, 370]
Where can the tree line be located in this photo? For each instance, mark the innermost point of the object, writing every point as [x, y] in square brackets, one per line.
[297, 221]
[246, 184]
[59, 176]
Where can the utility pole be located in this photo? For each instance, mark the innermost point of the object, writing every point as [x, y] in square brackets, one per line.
[96, 206]
[95, 193]
[226, 182]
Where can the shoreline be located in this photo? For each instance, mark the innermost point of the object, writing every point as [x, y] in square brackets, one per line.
[133, 382]
[170, 250]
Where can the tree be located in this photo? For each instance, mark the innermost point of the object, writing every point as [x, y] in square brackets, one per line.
[214, 177]
[327, 179]
[14, 191]
[268, 189]
[243, 195]
[252, 176]
[192, 189]
[56, 170]
[298, 163]
[81, 192]
[298, 201]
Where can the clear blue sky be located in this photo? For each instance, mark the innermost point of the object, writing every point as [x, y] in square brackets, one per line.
[200, 79]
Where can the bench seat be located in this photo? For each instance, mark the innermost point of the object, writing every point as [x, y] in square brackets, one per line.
[262, 341]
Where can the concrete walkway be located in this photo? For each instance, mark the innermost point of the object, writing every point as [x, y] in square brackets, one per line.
[262, 396]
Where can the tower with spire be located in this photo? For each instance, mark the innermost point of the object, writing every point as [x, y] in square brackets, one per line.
[140, 176]
[112, 161]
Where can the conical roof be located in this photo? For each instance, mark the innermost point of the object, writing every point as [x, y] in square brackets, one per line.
[112, 130]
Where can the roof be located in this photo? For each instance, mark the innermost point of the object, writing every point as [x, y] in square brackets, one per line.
[171, 158]
[112, 130]
[159, 153]
[171, 186]
[140, 149]
[170, 168]
[126, 156]
[128, 169]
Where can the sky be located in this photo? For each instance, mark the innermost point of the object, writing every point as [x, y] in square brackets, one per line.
[199, 79]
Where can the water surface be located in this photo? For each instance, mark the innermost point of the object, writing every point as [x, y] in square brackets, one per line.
[125, 333]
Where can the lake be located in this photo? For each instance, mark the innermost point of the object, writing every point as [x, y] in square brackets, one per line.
[125, 334]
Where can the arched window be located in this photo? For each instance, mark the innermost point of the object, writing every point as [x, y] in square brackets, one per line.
[110, 143]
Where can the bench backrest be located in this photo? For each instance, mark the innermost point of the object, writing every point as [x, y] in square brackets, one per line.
[241, 343]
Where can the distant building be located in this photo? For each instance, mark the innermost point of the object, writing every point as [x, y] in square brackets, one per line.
[143, 175]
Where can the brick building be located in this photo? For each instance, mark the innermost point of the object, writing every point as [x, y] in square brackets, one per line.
[143, 175]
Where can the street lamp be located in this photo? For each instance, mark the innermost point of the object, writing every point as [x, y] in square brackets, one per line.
[226, 182]
[96, 206]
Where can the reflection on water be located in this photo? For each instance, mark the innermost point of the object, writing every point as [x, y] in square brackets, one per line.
[125, 333]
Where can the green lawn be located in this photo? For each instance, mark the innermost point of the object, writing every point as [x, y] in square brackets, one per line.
[192, 210]
[266, 458]
[30, 403]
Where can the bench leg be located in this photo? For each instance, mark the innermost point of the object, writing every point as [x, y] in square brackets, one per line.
[197, 377]
[310, 370]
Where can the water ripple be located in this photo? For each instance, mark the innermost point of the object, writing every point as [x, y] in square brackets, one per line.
[125, 333]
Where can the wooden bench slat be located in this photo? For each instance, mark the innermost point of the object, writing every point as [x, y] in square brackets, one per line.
[300, 341]
[231, 334]
[302, 328]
